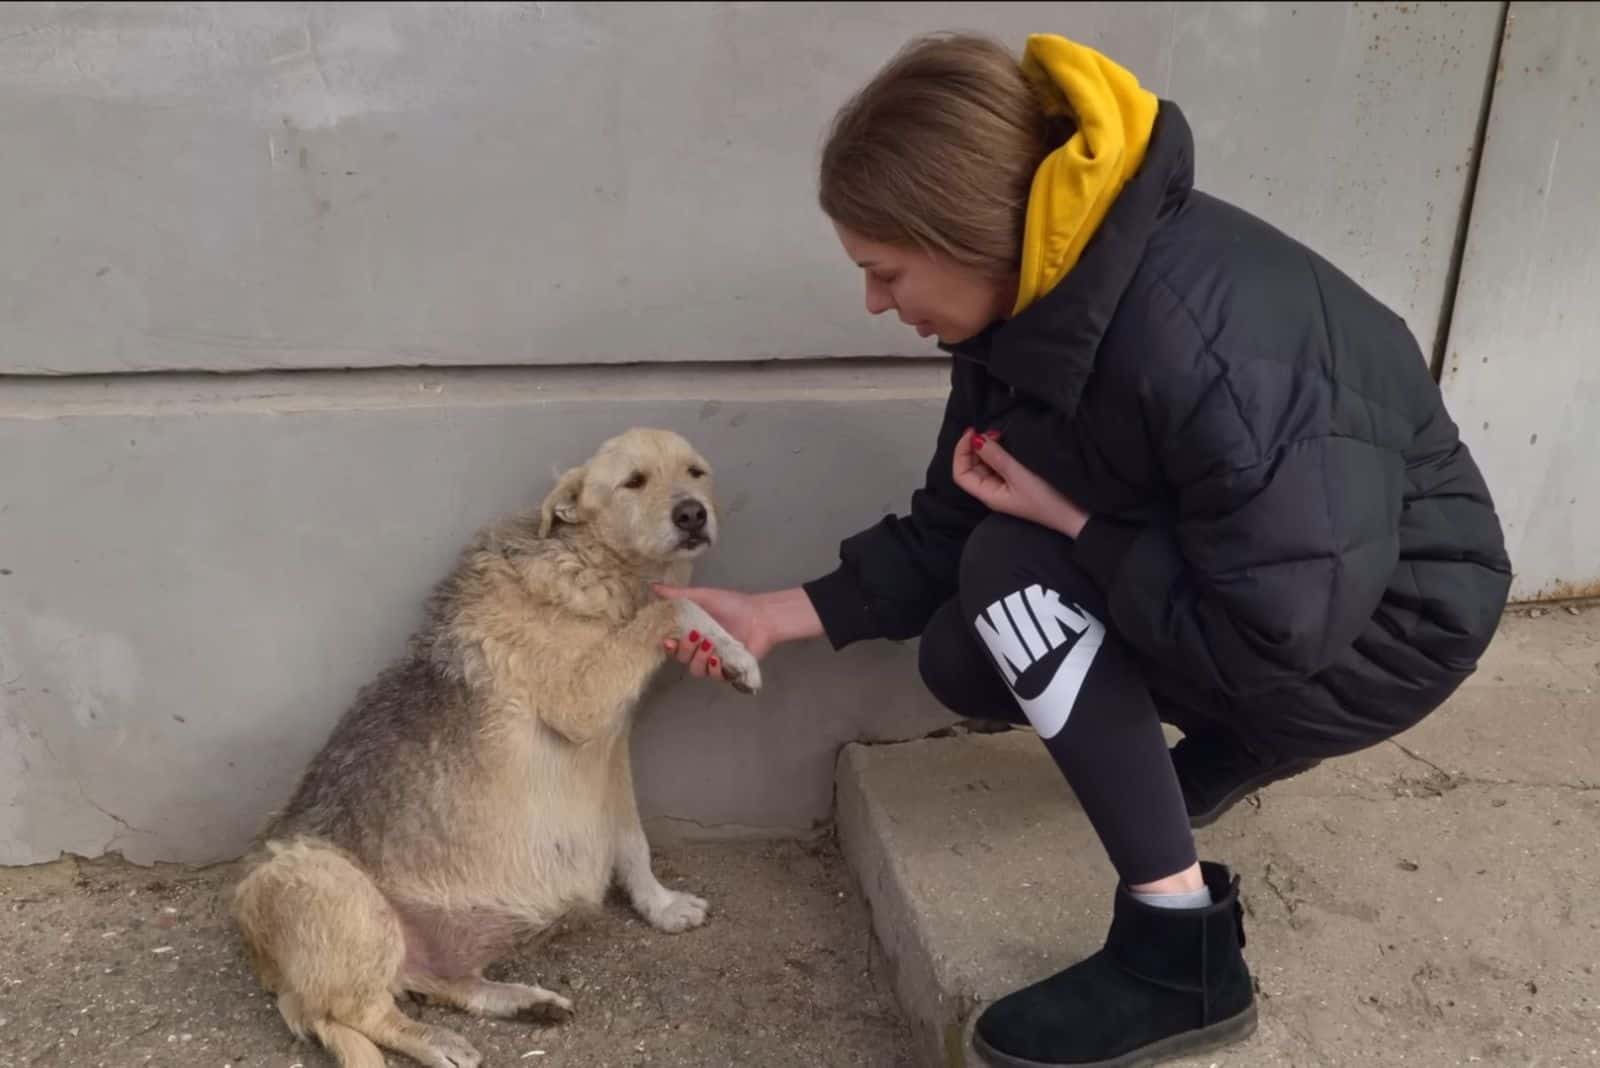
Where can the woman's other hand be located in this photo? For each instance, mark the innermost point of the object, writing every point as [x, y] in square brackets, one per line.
[994, 477]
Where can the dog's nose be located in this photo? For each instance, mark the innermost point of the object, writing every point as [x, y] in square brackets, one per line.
[689, 516]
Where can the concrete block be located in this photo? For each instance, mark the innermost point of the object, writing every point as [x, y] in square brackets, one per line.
[980, 868]
[1426, 901]
[197, 574]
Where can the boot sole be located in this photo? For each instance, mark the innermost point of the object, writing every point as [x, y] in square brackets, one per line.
[1235, 1028]
[1248, 787]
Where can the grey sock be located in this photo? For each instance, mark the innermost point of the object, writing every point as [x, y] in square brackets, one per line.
[1184, 899]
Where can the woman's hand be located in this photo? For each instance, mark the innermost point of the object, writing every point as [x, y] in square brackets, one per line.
[985, 470]
[758, 621]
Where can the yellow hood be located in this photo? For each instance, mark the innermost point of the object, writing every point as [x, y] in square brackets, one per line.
[1077, 183]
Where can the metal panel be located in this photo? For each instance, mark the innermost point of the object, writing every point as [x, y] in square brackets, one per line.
[226, 187]
[1522, 370]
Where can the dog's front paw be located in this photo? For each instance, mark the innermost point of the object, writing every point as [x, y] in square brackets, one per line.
[741, 669]
[738, 666]
[675, 912]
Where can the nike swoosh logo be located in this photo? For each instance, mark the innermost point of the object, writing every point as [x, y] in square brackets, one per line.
[1021, 630]
[1049, 711]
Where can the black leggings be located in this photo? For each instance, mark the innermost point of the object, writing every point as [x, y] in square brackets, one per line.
[1027, 633]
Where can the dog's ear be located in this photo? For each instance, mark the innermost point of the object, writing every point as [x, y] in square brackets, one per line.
[561, 506]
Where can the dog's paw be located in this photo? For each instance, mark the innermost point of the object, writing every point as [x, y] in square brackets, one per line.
[677, 912]
[741, 669]
[549, 1008]
[446, 1049]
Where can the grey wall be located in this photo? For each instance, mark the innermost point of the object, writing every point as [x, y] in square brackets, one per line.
[202, 573]
[1522, 371]
[197, 571]
[238, 186]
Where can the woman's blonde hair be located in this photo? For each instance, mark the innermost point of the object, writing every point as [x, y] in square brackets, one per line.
[938, 151]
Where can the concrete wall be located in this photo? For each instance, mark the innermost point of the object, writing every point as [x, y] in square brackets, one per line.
[238, 186]
[200, 574]
[197, 571]
[1522, 370]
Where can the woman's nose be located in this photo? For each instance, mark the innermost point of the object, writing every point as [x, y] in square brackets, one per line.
[878, 299]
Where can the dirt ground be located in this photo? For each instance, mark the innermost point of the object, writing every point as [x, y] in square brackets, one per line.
[104, 964]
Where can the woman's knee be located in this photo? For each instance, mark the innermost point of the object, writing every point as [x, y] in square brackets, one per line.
[1005, 556]
[996, 552]
[958, 674]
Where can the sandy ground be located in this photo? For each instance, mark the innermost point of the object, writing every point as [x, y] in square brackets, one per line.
[1432, 901]
[108, 964]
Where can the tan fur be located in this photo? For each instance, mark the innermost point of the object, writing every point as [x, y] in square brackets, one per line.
[480, 787]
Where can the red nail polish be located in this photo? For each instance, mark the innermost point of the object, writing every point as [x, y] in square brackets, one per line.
[694, 636]
[705, 646]
[992, 435]
[712, 662]
[977, 442]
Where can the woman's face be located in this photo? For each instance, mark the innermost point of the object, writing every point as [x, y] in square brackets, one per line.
[930, 292]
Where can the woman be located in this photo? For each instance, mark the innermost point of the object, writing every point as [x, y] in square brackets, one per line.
[1188, 472]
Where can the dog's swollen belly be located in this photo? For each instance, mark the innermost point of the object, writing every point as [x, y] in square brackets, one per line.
[516, 874]
[447, 944]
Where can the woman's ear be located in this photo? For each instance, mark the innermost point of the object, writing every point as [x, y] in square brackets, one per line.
[561, 506]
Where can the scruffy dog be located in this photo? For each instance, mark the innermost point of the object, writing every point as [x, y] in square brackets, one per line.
[480, 787]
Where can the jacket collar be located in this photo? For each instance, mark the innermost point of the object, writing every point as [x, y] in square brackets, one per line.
[1049, 350]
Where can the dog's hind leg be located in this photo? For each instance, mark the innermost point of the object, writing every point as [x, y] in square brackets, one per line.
[446, 952]
[482, 997]
[321, 936]
[436, 1047]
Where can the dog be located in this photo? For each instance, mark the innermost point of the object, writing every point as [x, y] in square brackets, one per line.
[479, 788]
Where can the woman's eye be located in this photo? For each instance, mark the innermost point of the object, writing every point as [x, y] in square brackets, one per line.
[636, 481]
[697, 472]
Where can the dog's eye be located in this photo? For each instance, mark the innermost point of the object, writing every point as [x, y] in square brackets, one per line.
[635, 481]
[697, 472]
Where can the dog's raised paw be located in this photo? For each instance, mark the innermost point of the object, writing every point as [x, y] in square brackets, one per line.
[678, 912]
[742, 672]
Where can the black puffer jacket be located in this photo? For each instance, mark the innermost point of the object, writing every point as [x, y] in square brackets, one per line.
[1285, 517]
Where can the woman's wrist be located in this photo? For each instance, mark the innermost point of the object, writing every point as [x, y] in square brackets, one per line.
[789, 615]
[1067, 519]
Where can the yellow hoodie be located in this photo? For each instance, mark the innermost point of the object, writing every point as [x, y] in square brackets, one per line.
[1077, 183]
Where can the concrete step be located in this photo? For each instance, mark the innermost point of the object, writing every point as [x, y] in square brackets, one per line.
[1432, 900]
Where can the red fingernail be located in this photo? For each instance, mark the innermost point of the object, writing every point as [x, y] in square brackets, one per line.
[711, 662]
[977, 442]
[694, 636]
[992, 435]
[706, 646]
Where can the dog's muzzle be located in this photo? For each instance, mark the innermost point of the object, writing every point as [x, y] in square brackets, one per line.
[689, 518]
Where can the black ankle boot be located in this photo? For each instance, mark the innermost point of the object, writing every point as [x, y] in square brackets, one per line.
[1168, 982]
[1216, 771]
